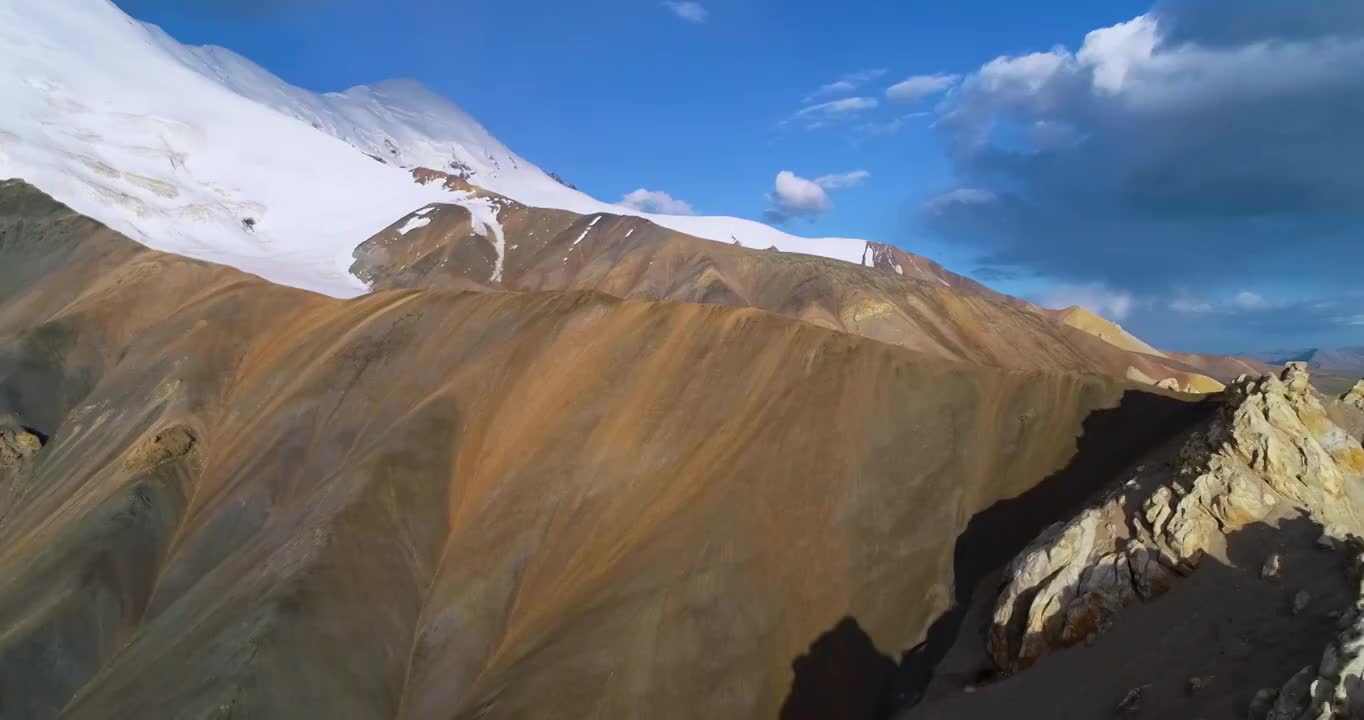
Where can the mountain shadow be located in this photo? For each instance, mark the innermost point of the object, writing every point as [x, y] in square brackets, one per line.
[1201, 650]
[844, 676]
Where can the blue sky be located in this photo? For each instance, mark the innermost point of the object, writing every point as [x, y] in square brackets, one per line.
[1045, 173]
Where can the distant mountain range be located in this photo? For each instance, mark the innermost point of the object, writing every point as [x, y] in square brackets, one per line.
[1349, 359]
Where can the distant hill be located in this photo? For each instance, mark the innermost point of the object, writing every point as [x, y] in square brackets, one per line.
[1341, 360]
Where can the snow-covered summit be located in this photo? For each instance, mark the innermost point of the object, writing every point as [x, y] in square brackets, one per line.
[101, 116]
[400, 122]
[199, 151]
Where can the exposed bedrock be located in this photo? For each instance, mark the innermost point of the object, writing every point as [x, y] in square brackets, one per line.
[1271, 453]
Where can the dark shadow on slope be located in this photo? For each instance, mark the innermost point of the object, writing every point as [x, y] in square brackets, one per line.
[1112, 440]
[42, 376]
[1225, 624]
[841, 676]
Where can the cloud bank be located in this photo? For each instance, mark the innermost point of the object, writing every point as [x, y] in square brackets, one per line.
[1207, 144]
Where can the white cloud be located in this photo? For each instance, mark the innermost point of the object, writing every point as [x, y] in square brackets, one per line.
[817, 116]
[1115, 305]
[693, 12]
[892, 126]
[1191, 305]
[794, 196]
[920, 86]
[1246, 300]
[842, 180]
[656, 201]
[1113, 52]
[1028, 73]
[845, 85]
[958, 197]
[1208, 130]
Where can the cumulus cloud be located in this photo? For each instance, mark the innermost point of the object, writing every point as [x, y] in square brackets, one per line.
[1115, 305]
[656, 201]
[1208, 143]
[846, 85]
[821, 115]
[919, 87]
[794, 197]
[693, 12]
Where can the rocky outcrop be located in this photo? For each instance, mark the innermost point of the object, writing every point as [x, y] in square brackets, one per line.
[1355, 396]
[160, 447]
[1271, 447]
[17, 446]
[1335, 688]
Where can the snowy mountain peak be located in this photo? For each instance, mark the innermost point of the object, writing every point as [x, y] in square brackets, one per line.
[400, 121]
[201, 152]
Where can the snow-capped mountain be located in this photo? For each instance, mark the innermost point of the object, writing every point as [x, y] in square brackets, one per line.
[399, 122]
[98, 114]
[198, 151]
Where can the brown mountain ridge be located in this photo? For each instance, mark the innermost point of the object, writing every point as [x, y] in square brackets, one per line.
[899, 298]
[254, 501]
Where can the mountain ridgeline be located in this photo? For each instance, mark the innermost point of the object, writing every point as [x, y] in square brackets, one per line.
[332, 406]
[895, 297]
[255, 501]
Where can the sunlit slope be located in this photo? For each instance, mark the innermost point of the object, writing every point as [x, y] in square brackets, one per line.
[258, 501]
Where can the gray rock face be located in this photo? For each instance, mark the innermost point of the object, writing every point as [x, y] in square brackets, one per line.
[1270, 447]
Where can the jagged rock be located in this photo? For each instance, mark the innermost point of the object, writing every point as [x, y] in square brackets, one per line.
[1270, 443]
[163, 446]
[1262, 703]
[1197, 684]
[1333, 689]
[1150, 577]
[1272, 567]
[1158, 509]
[1169, 384]
[1048, 572]
[1295, 698]
[1069, 584]
[17, 445]
[1131, 702]
[1297, 378]
[1354, 397]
